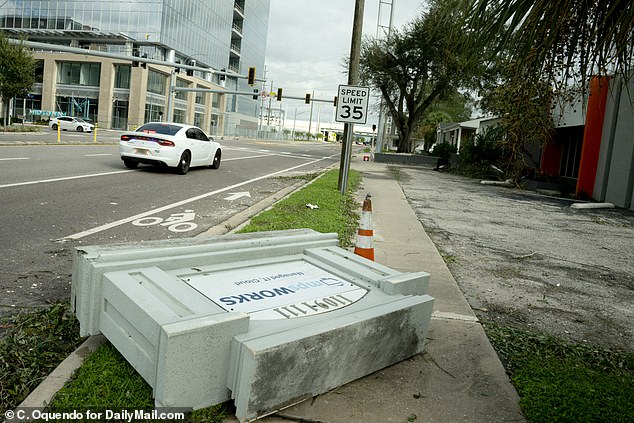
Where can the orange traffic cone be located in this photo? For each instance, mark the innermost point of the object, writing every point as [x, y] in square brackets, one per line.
[365, 234]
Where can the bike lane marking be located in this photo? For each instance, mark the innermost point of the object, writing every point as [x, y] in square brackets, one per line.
[120, 222]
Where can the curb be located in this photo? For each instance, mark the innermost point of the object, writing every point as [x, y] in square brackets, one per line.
[42, 395]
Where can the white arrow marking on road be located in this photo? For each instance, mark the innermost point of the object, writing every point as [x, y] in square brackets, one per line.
[237, 195]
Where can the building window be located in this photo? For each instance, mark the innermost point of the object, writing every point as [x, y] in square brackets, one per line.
[71, 73]
[181, 95]
[120, 114]
[39, 71]
[179, 116]
[153, 112]
[156, 82]
[122, 76]
[198, 120]
[82, 107]
[200, 98]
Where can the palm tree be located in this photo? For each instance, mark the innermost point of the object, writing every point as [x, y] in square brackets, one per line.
[560, 39]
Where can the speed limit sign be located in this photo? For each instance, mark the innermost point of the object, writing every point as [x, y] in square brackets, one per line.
[352, 104]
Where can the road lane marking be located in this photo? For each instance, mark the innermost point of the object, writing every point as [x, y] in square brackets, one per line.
[248, 157]
[120, 222]
[67, 178]
[291, 155]
[14, 158]
[98, 154]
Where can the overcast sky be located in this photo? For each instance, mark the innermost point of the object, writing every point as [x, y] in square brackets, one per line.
[309, 39]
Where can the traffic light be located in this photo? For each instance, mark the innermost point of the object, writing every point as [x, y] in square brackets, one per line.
[307, 101]
[334, 102]
[222, 75]
[279, 94]
[251, 78]
[255, 93]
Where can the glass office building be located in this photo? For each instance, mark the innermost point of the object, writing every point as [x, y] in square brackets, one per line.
[225, 35]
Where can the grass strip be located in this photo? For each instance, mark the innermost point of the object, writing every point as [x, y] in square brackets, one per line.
[562, 382]
[335, 213]
[107, 381]
[32, 345]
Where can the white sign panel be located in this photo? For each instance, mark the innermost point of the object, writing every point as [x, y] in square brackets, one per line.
[277, 291]
[352, 104]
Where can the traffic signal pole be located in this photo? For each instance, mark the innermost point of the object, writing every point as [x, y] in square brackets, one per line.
[353, 79]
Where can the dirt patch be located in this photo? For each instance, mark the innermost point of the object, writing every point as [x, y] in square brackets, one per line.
[531, 260]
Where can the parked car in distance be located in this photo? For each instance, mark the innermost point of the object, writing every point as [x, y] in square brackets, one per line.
[69, 123]
[169, 144]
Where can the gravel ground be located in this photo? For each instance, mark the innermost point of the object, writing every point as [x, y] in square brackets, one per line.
[530, 260]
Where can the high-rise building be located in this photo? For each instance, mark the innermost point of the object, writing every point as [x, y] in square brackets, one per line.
[228, 36]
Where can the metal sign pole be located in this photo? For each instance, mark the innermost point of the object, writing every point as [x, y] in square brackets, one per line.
[346, 157]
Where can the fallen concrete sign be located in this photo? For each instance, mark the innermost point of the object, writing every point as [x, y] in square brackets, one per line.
[264, 319]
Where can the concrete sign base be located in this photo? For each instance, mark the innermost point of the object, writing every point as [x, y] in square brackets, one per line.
[264, 319]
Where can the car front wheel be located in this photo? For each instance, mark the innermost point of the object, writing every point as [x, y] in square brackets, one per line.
[183, 164]
[54, 127]
[216, 163]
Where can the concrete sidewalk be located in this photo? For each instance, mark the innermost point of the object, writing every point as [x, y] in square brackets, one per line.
[458, 378]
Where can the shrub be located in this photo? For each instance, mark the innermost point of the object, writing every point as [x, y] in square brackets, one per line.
[444, 150]
[485, 148]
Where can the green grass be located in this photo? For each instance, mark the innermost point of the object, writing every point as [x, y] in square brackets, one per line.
[107, 381]
[32, 345]
[562, 382]
[336, 213]
[19, 128]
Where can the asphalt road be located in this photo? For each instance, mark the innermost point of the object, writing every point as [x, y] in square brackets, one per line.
[57, 197]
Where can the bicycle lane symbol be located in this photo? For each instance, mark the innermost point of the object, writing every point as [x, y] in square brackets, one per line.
[177, 222]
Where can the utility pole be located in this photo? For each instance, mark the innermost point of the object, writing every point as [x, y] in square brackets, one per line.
[310, 119]
[353, 79]
[383, 30]
[268, 118]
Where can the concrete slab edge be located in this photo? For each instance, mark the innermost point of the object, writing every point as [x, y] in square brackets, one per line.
[592, 206]
[443, 315]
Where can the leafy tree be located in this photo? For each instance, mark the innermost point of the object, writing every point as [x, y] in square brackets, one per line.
[429, 125]
[422, 64]
[559, 40]
[16, 72]
[456, 107]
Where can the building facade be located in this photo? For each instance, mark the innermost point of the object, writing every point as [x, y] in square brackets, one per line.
[227, 36]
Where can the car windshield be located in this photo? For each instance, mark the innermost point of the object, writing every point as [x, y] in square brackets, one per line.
[159, 128]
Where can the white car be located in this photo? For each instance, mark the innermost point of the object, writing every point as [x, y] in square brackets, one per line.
[69, 123]
[169, 144]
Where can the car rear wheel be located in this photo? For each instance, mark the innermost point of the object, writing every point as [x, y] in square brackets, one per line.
[216, 163]
[54, 127]
[130, 164]
[80, 129]
[183, 164]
